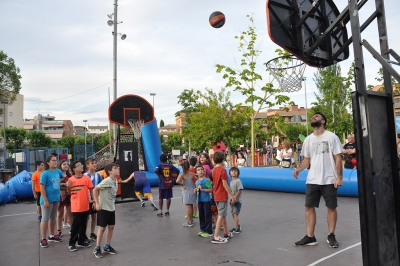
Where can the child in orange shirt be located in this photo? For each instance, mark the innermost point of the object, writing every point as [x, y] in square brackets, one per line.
[36, 187]
[79, 186]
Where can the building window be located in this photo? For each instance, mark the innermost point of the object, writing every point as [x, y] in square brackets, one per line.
[10, 114]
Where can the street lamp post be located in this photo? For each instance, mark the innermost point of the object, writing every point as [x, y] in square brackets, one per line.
[115, 33]
[153, 94]
[305, 95]
[4, 127]
[85, 137]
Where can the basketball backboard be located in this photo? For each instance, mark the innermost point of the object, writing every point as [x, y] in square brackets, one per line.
[130, 107]
[298, 25]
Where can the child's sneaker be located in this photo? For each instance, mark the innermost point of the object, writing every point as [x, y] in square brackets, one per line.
[110, 250]
[235, 230]
[59, 233]
[39, 218]
[43, 243]
[84, 245]
[154, 206]
[204, 234]
[200, 233]
[66, 226]
[97, 253]
[229, 235]
[93, 237]
[195, 215]
[219, 240]
[142, 203]
[72, 248]
[54, 238]
[188, 224]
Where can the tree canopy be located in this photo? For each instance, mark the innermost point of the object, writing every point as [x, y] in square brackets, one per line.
[10, 84]
[334, 99]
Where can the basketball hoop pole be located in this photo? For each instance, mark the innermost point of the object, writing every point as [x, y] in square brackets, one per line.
[305, 97]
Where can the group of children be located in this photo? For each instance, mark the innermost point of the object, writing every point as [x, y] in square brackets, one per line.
[82, 195]
[208, 187]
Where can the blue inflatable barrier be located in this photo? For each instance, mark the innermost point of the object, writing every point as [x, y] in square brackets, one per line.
[281, 180]
[7, 193]
[19, 186]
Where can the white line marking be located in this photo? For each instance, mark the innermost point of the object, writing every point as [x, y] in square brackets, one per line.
[320, 260]
[9, 215]
[283, 249]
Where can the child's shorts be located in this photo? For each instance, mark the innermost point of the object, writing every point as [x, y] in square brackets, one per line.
[222, 208]
[235, 208]
[105, 218]
[91, 210]
[65, 202]
[165, 193]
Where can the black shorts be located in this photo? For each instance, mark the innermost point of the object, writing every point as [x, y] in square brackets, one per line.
[105, 218]
[91, 210]
[38, 198]
[314, 193]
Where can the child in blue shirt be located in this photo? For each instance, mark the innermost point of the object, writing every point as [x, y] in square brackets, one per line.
[203, 189]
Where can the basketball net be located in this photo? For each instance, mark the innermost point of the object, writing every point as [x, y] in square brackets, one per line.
[136, 126]
[288, 71]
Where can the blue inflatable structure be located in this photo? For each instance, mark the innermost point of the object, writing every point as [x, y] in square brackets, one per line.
[18, 187]
[256, 178]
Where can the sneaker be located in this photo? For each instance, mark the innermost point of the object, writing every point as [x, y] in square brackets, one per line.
[235, 230]
[66, 226]
[93, 236]
[154, 206]
[195, 215]
[229, 235]
[97, 253]
[200, 233]
[39, 218]
[59, 233]
[72, 248]
[306, 241]
[43, 243]
[87, 241]
[110, 250]
[84, 245]
[55, 238]
[188, 224]
[331, 240]
[219, 240]
[185, 216]
[142, 203]
[204, 234]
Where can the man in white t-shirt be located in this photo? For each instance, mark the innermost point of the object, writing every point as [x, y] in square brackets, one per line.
[322, 149]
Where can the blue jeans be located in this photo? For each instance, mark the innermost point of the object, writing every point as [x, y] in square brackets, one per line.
[205, 216]
[299, 156]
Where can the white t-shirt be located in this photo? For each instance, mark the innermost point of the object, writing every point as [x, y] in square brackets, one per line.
[320, 150]
[241, 162]
[285, 153]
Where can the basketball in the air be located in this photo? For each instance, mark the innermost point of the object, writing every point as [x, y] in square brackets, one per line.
[217, 19]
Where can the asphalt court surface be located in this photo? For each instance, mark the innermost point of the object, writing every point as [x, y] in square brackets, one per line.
[271, 223]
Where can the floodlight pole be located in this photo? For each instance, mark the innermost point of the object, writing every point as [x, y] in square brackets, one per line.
[305, 96]
[115, 66]
[85, 137]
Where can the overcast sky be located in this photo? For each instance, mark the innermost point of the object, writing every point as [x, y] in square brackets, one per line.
[64, 50]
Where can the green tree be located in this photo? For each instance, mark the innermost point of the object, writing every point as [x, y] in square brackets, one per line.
[161, 123]
[38, 139]
[379, 78]
[10, 83]
[67, 142]
[213, 118]
[174, 140]
[334, 98]
[246, 79]
[15, 138]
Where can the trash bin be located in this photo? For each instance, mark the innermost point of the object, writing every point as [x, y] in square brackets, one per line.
[6, 174]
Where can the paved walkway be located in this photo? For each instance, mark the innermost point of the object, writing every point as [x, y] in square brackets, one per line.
[271, 222]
